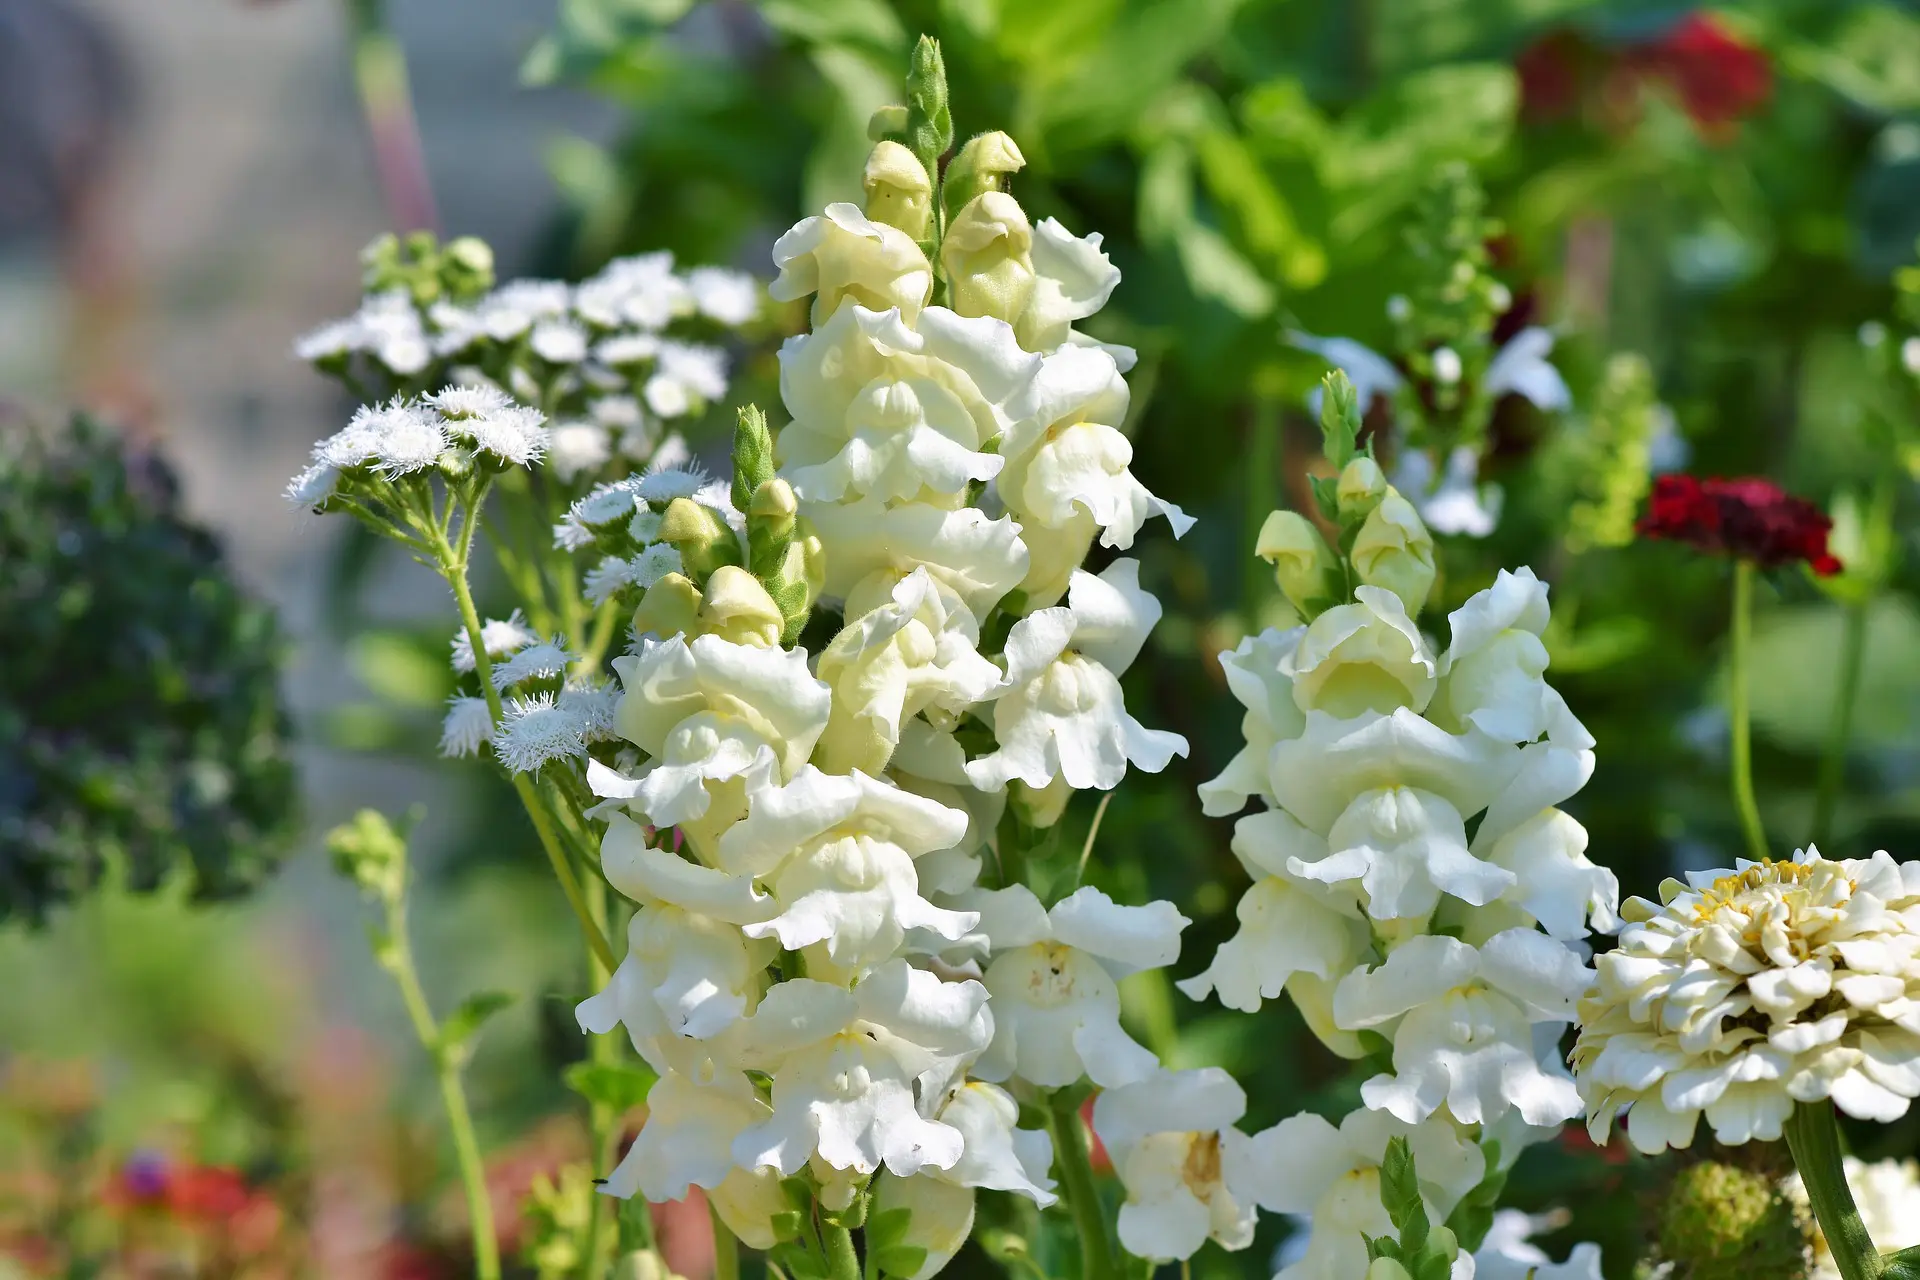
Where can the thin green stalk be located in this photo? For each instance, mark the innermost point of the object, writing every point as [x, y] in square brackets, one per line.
[1813, 1137]
[453, 1094]
[453, 566]
[726, 1250]
[1076, 1180]
[842, 1262]
[1737, 698]
[1833, 764]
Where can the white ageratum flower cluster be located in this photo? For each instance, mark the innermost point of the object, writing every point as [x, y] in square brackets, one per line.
[1887, 1194]
[816, 967]
[1741, 993]
[1416, 891]
[614, 359]
[448, 433]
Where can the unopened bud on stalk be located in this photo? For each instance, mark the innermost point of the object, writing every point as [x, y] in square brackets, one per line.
[700, 535]
[988, 258]
[1395, 551]
[1303, 564]
[669, 608]
[797, 581]
[466, 268]
[1362, 486]
[888, 122]
[983, 165]
[899, 190]
[736, 607]
[371, 853]
[1040, 807]
[752, 455]
[771, 519]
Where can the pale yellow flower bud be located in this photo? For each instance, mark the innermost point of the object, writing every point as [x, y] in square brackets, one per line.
[1395, 551]
[704, 540]
[984, 164]
[988, 256]
[1361, 487]
[736, 607]
[1040, 807]
[899, 192]
[1302, 562]
[670, 607]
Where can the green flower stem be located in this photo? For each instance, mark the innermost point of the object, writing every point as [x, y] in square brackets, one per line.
[1076, 1178]
[726, 1250]
[1737, 697]
[453, 1093]
[1853, 648]
[453, 566]
[1813, 1137]
[842, 1262]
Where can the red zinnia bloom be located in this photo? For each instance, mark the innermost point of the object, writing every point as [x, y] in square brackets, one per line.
[1750, 518]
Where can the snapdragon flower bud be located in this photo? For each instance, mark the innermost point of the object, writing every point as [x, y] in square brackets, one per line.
[1302, 562]
[983, 165]
[700, 535]
[771, 519]
[1395, 551]
[1040, 807]
[988, 256]
[670, 607]
[899, 190]
[736, 607]
[1361, 486]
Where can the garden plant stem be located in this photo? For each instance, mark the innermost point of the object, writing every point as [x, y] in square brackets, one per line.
[842, 1262]
[453, 1095]
[1738, 711]
[1076, 1180]
[1813, 1136]
[726, 1252]
[1833, 764]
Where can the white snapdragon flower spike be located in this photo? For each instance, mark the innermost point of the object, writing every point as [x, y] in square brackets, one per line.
[886, 409]
[837, 854]
[1294, 930]
[1329, 1178]
[1887, 1194]
[1367, 656]
[915, 654]
[1054, 981]
[996, 1155]
[1461, 1020]
[1060, 712]
[844, 1065]
[1508, 1252]
[1183, 1164]
[1744, 992]
[842, 254]
[1316, 776]
[704, 711]
[1405, 847]
[872, 546]
[1072, 280]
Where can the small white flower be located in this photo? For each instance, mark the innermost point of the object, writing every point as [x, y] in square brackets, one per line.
[1173, 1144]
[667, 397]
[1454, 501]
[559, 340]
[1521, 368]
[1910, 355]
[365, 436]
[641, 290]
[844, 1065]
[410, 440]
[730, 297]
[314, 485]
[575, 449]
[469, 400]
[592, 700]
[688, 1142]
[467, 727]
[386, 327]
[611, 575]
[663, 484]
[514, 434]
[536, 731]
[1330, 1178]
[1508, 1253]
[1055, 999]
[500, 639]
[1462, 1021]
[543, 661]
[1060, 712]
[1446, 366]
[1371, 373]
[627, 349]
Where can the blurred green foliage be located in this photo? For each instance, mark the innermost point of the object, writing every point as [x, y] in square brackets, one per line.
[141, 726]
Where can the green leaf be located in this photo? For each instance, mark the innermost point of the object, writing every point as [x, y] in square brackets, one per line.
[1400, 1196]
[1472, 1218]
[868, 22]
[1261, 216]
[460, 1026]
[1904, 1265]
[888, 1227]
[900, 1260]
[618, 1086]
[1874, 58]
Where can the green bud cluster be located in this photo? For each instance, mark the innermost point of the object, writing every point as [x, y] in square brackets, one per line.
[1382, 541]
[1612, 459]
[1422, 1251]
[370, 852]
[1720, 1221]
[555, 1222]
[457, 271]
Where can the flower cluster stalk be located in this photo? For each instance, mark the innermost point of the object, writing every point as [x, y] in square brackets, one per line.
[1813, 1136]
[1740, 714]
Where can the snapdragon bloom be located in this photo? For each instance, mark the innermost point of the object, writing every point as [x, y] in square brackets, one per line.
[1749, 518]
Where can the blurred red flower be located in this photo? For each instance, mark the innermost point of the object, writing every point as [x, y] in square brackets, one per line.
[1749, 518]
[1719, 78]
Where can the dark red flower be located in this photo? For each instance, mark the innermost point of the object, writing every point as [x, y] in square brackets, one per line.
[1554, 73]
[1719, 78]
[1750, 518]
